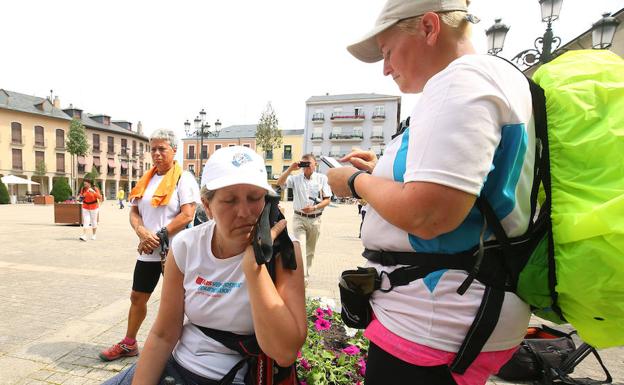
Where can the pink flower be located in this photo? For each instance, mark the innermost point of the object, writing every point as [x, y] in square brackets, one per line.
[362, 365]
[358, 383]
[328, 312]
[322, 324]
[319, 313]
[351, 350]
[299, 354]
[305, 364]
[303, 382]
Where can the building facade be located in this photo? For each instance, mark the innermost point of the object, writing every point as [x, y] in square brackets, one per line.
[279, 159]
[33, 133]
[335, 124]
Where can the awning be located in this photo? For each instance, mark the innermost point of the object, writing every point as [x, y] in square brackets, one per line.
[124, 164]
[134, 166]
[96, 161]
[81, 160]
[111, 163]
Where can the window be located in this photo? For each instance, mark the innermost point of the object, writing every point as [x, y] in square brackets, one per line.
[217, 146]
[17, 159]
[124, 146]
[284, 168]
[96, 142]
[231, 145]
[191, 152]
[111, 145]
[16, 133]
[191, 168]
[316, 150]
[204, 151]
[134, 148]
[247, 145]
[269, 171]
[317, 133]
[96, 164]
[357, 132]
[39, 139]
[141, 149]
[39, 157]
[60, 162]
[268, 154]
[358, 111]
[287, 151]
[377, 132]
[379, 112]
[60, 139]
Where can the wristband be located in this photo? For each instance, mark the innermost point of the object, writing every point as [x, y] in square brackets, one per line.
[351, 183]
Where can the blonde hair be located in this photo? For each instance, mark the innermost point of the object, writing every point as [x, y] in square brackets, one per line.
[455, 20]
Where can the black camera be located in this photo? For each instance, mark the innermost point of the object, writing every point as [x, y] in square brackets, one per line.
[304, 164]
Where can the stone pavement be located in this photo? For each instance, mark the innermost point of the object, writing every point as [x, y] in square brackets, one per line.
[62, 300]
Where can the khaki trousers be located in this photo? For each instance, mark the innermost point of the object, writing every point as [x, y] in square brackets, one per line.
[307, 231]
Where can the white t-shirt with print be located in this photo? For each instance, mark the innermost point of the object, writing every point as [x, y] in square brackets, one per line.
[306, 190]
[472, 130]
[154, 218]
[215, 296]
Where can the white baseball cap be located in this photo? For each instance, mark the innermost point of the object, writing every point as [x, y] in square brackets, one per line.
[235, 165]
[367, 49]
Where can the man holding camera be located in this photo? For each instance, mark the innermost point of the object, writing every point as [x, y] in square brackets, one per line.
[311, 194]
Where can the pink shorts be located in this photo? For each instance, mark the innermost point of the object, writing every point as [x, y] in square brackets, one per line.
[486, 363]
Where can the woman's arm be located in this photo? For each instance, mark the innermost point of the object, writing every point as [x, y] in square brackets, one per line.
[278, 310]
[166, 331]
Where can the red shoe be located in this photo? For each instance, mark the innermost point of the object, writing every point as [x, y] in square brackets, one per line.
[119, 350]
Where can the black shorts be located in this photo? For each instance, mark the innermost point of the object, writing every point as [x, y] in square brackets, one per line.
[146, 276]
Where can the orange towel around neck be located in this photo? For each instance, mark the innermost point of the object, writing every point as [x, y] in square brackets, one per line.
[165, 189]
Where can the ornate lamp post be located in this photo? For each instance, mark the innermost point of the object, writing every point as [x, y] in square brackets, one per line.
[546, 45]
[202, 129]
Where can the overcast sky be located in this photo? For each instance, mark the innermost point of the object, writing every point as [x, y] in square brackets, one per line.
[160, 62]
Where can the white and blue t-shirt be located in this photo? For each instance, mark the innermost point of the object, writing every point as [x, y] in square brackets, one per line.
[472, 130]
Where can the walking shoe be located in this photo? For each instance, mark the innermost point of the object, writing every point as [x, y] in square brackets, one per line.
[119, 350]
[83, 238]
[93, 237]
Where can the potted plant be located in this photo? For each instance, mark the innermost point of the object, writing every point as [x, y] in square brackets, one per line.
[65, 210]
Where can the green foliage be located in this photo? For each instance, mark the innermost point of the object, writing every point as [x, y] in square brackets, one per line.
[77, 139]
[333, 353]
[93, 174]
[61, 190]
[268, 135]
[40, 168]
[4, 194]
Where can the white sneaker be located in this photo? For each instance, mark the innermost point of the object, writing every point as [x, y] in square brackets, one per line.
[83, 238]
[93, 237]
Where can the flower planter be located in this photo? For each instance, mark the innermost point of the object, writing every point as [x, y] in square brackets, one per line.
[68, 213]
[43, 199]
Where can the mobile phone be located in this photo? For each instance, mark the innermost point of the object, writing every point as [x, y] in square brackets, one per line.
[304, 164]
[330, 162]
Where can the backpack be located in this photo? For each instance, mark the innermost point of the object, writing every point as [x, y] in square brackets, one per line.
[574, 272]
[567, 265]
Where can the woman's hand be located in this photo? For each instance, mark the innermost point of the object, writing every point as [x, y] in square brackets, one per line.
[362, 160]
[148, 241]
[249, 261]
[338, 177]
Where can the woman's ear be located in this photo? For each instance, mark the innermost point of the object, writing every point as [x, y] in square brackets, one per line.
[206, 204]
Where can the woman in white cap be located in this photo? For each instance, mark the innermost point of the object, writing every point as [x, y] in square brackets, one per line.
[471, 134]
[212, 281]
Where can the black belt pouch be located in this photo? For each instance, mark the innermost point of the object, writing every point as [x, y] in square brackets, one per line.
[356, 287]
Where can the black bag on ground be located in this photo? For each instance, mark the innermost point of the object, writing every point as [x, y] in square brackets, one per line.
[548, 356]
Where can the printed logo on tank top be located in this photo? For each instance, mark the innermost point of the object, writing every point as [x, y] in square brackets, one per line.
[215, 288]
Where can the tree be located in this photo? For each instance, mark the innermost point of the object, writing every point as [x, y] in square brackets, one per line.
[4, 194]
[76, 144]
[40, 171]
[268, 135]
[61, 190]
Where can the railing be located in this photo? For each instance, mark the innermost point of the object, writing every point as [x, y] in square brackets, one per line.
[377, 136]
[60, 147]
[379, 116]
[342, 115]
[111, 150]
[318, 117]
[336, 154]
[268, 156]
[317, 136]
[353, 135]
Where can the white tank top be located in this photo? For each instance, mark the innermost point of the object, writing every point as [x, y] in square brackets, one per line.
[215, 296]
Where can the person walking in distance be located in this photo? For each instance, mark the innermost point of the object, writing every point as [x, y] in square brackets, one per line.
[162, 204]
[311, 195]
[90, 196]
[120, 197]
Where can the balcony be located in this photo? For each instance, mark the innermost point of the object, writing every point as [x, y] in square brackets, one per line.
[41, 143]
[347, 117]
[96, 150]
[111, 151]
[318, 118]
[337, 154]
[191, 156]
[379, 116]
[377, 137]
[317, 137]
[338, 136]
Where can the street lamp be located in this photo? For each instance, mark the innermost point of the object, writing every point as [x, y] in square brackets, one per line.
[603, 31]
[202, 129]
[545, 46]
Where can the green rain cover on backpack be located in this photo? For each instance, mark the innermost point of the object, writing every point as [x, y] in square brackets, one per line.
[585, 114]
